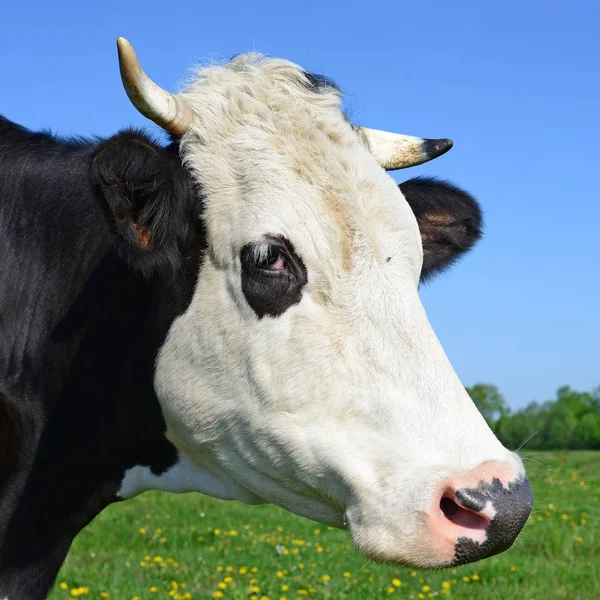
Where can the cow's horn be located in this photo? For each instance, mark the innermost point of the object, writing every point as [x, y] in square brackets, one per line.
[395, 151]
[165, 109]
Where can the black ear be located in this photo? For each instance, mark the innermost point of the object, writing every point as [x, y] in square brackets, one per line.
[150, 198]
[449, 218]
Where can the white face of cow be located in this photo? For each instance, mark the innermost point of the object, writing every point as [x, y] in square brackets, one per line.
[305, 372]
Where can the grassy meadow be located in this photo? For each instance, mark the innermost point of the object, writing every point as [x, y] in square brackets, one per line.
[190, 546]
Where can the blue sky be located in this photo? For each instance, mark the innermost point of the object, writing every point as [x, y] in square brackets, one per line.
[515, 85]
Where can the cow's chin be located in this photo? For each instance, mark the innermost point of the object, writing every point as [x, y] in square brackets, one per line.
[404, 542]
[388, 544]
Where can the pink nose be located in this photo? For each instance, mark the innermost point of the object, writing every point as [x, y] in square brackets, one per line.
[480, 513]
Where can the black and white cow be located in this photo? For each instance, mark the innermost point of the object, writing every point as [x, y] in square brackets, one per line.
[237, 314]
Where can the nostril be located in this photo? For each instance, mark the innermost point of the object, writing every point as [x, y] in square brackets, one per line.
[461, 516]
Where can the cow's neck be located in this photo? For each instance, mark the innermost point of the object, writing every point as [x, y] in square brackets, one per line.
[104, 420]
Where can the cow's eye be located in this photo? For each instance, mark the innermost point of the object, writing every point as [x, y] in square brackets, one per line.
[273, 276]
[271, 258]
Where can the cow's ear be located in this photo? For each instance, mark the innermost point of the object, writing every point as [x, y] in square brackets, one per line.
[149, 196]
[449, 218]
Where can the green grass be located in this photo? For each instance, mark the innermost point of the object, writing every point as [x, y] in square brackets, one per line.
[190, 546]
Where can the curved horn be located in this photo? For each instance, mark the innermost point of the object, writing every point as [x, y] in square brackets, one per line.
[168, 111]
[395, 151]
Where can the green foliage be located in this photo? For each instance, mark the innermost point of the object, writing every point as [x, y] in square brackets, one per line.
[489, 401]
[570, 422]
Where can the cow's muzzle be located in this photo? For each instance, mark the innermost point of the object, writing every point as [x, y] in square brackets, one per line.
[481, 514]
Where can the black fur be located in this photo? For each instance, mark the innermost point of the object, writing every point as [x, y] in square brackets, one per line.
[79, 331]
[449, 218]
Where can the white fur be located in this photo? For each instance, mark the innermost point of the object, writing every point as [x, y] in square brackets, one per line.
[345, 406]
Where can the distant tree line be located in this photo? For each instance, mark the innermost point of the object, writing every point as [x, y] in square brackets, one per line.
[571, 421]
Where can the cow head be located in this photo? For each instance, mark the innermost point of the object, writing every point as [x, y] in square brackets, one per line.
[304, 371]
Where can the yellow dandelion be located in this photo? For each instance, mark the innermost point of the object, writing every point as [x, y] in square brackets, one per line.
[233, 532]
[222, 585]
[346, 574]
[466, 579]
[475, 577]
[228, 579]
[579, 539]
[63, 585]
[513, 568]
[285, 588]
[396, 582]
[218, 594]
[325, 578]
[163, 539]
[154, 589]
[426, 588]
[419, 595]
[391, 590]
[243, 570]
[216, 531]
[446, 585]
[564, 517]
[142, 530]
[413, 573]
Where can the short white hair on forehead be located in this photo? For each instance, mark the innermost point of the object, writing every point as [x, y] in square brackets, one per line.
[252, 80]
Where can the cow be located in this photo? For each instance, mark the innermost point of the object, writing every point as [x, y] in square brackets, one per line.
[236, 312]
